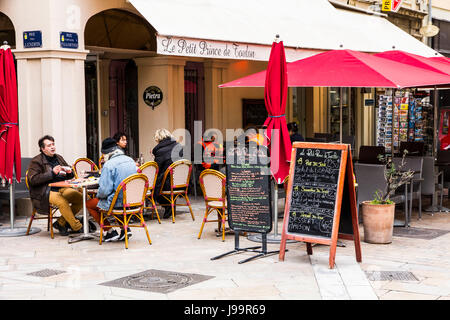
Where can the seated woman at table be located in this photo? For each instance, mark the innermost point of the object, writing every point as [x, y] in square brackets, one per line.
[117, 167]
[48, 167]
[163, 157]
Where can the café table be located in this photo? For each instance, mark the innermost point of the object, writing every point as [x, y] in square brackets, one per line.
[410, 182]
[84, 184]
[434, 206]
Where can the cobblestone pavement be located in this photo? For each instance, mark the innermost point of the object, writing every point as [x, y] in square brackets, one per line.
[85, 267]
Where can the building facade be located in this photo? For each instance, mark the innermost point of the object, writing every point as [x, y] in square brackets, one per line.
[90, 68]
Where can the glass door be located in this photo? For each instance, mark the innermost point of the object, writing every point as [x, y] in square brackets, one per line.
[348, 112]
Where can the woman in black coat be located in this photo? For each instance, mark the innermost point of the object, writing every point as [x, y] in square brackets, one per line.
[163, 157]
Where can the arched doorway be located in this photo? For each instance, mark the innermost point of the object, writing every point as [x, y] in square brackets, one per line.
[7, 32]
[115, 36]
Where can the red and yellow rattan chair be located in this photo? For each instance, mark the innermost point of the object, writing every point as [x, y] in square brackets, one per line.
[100, 162]
[150, 169]
[134, 190]
[213, 184]
[285, 186]
[35, 216]
[83, 164]
[179, 174]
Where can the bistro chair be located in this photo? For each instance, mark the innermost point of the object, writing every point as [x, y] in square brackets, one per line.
[179, 174]
[83, 165]
[370, 179]
[369, 154]
[323, 140]
[100, 162]
[285, 186]
[150, 169]
[35, 216]
[212, 183]
[327, 136]
[414, 148]
[431, 182]
[134, 190]
[443, 159]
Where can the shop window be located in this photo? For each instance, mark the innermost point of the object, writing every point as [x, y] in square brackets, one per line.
[441, 42]
[254, 112]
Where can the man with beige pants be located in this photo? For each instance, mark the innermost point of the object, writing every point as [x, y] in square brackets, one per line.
[48, 167]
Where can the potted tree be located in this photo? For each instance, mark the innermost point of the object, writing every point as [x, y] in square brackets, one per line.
[378, 214]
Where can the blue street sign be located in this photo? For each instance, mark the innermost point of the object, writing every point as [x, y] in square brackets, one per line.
[32, 39]
[68, 40]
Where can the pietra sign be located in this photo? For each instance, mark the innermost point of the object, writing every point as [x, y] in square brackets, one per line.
[153, 96]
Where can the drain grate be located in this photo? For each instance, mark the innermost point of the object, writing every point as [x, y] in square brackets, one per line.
[45, 273]
[419, 233]
[390, 275]
[157, 281]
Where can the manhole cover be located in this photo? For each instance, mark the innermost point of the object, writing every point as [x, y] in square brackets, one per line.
[390, 275]
[157, 281]
[45, 273]
[419, 233]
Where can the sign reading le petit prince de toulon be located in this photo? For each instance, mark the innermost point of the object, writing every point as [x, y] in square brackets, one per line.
[153, 96]
[187, 47]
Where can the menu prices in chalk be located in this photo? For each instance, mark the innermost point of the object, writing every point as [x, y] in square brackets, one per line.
[248, 196]
[314, 191]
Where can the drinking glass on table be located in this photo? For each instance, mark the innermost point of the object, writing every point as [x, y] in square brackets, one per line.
[82, 174]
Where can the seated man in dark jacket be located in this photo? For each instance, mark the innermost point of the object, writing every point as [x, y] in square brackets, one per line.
[163, 157]
[48, 167]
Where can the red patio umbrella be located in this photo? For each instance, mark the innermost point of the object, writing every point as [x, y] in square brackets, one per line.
[275, 96]
[9, 117]
[441, 59]
[415, 60]
[348, 68]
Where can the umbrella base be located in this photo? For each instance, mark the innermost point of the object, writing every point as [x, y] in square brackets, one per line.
[271, 238]
[17, 232]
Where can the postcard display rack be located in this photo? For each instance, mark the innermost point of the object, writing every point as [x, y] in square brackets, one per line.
[409, 119]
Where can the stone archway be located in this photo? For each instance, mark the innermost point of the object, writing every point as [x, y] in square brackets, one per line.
[115, 28]
[7, 31]
[115, 37]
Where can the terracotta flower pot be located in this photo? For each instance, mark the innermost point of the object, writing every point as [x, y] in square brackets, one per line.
[378, 221]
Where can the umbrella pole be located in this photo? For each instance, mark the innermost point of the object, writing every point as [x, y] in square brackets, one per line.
[275, 207]
[340, 114]
[12, 231]
[11, 203]
[435, 120]
[392, 125]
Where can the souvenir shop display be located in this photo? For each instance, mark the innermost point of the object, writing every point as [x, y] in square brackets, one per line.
[409, 118]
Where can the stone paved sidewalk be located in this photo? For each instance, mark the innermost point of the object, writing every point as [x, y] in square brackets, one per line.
[86, 266]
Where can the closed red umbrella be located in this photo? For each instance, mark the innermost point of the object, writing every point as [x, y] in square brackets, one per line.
[275, 96]
[9, 117]
[348, 68]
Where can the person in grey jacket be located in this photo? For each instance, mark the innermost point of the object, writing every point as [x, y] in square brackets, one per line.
[117, 167]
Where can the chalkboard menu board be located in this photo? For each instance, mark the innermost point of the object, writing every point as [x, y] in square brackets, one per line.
[321, 198]
[314, 190]
[249, 196]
